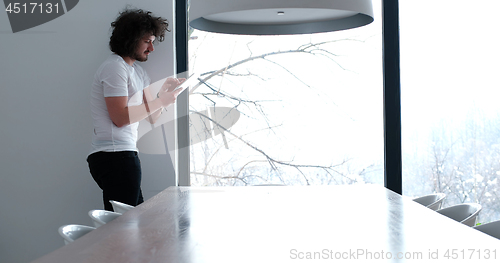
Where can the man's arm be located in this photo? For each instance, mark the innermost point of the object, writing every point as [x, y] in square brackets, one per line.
[168, 86]
[148, 97]
[121, 114]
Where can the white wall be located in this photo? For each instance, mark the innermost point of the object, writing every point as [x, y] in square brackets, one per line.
[45, 77]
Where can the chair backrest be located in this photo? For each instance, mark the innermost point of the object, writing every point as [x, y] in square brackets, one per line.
[463, 213]
[101, 217]
[492, 228]
[120, 207]
[72, 232]
[432, 201]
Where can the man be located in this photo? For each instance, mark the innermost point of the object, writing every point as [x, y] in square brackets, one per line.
[120, 98]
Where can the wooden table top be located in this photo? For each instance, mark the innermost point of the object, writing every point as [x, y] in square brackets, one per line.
[357, 223]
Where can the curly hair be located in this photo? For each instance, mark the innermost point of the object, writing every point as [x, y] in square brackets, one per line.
[131, 26]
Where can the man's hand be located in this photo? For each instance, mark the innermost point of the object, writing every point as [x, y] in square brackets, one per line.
[171, 83]
[167, 93]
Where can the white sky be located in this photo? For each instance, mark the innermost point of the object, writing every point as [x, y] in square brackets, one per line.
[449, 63]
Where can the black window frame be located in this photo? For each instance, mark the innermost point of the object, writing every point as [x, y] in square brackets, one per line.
[391, 97]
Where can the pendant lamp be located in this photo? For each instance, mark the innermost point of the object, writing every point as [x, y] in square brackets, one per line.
[278, 17]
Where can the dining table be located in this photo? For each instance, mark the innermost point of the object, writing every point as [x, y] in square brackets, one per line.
[331, 223]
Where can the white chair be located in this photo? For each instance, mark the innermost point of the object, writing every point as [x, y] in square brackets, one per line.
[463, 213]
[101, 217]
[492, 229]
[71, 233]
[120, 207]
[432, 201]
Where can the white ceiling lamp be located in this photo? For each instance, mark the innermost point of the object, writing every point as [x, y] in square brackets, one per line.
[278, 17]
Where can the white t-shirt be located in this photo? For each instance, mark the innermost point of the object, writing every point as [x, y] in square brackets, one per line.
[115, 78]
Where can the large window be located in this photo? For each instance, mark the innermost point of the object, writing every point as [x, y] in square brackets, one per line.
[293, 110]
[450, 109]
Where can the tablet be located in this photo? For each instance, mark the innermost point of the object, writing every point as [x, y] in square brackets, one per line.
[191, 81]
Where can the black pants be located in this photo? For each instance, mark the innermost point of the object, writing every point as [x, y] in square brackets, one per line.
[118, 174]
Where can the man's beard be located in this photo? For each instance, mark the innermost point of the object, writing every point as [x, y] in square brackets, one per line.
[140, 58]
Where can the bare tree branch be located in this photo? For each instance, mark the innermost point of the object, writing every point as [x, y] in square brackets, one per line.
[273, 162]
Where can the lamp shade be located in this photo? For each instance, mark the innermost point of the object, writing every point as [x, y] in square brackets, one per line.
[278, 17]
